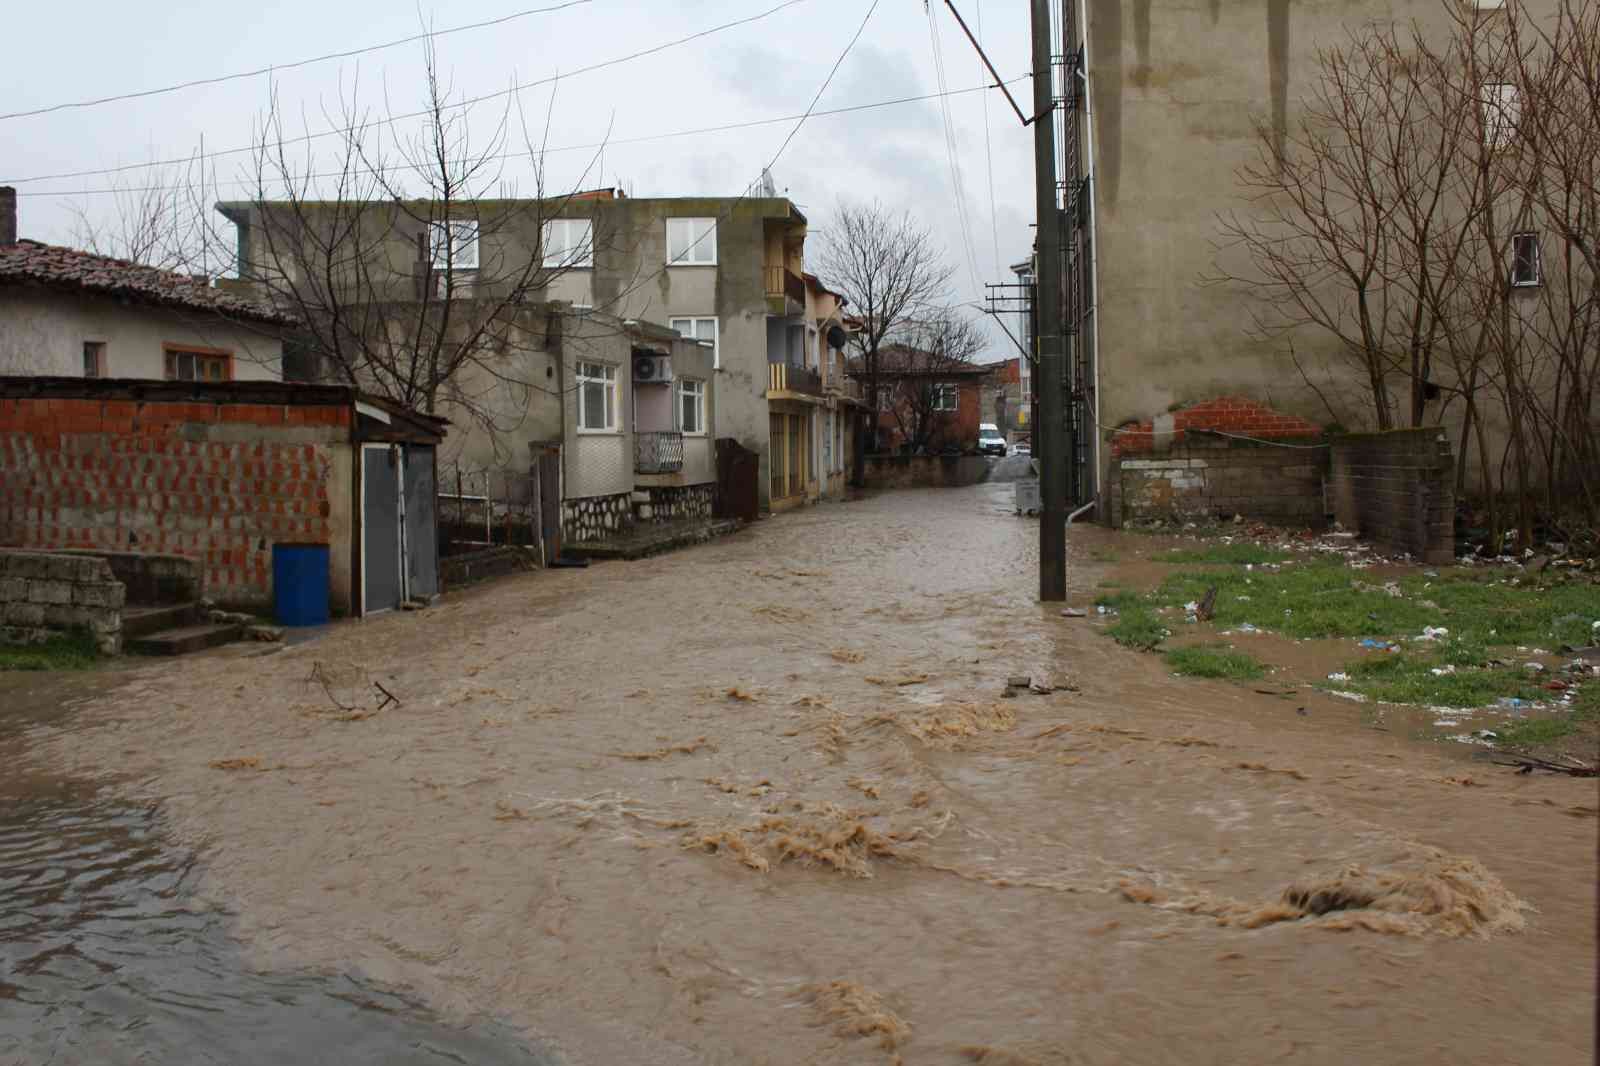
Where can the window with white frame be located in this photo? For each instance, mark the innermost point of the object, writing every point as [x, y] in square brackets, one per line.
[568, 242]
[691, 241]
[699, 329]
[1525, 260]
[945, 397]
[453, 245]
[691, 406]
[597, 398]
[1502, 108]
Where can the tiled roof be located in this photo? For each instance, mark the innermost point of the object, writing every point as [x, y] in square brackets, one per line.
[29, 262]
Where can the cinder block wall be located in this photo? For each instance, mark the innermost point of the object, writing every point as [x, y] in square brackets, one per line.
[1219, 458]
[1397, 489]
[923, 471]
[42, 593]
[217, 483]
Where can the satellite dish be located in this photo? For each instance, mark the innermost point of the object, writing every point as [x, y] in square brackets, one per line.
[837, 337]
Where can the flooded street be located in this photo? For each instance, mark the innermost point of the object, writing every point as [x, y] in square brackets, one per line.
[762, 801]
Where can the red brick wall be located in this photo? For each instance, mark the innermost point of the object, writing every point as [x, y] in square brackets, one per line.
[1229, 414]
[959, 429]
[219, 483]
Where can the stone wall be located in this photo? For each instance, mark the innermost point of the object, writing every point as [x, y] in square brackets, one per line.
[456, 571]
[924, 471]
[1219, 478]
[215, 482]
[42, 594]
[149, 578]
[596, 517]
[1397, 489]
[679, 503]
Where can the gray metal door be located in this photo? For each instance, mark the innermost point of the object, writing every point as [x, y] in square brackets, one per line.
[380, 528]
[422, 523]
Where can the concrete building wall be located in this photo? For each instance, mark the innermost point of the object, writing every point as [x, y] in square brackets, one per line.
[43, 332]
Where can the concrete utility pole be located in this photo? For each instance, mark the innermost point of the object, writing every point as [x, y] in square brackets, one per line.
[1050, 434]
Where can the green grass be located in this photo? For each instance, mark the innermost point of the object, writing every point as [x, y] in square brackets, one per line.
[1398, 677]
[67, 652]
[1138, 628]
[1214, 661]
[1231, 554]
[1539, 731]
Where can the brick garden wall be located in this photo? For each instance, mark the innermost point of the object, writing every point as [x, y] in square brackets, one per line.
[218, 483]
[923, 471]
[1397, 489]
[41, 594]
[1220, 458]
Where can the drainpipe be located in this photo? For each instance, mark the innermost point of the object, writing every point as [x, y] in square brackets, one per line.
[1080, 511]
[1094, 232]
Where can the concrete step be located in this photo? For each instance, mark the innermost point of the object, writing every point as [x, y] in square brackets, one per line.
[139, 619]
[182, 640]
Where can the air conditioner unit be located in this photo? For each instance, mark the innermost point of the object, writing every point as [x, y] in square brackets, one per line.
[652, 368]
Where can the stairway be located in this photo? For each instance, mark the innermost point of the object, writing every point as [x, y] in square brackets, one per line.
[173, 629]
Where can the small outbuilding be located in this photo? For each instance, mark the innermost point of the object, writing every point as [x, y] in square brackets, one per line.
[220, 472]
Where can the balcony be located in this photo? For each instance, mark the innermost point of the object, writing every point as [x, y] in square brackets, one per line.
[783, 377]
[657, 453]
[786, 292]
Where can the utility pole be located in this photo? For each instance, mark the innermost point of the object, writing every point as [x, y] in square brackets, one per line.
[1050, 433]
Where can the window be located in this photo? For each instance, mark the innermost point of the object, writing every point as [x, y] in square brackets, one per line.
[1525, 260]
[191, 365]
[700, 329]
[945, 397]
[569, 242]
[691, 406]
[94, 359]
[692, 241]
[597, 398]
[1501, 110]
[453, 245]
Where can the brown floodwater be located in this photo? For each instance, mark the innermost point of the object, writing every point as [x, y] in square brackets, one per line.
[106, 958]
[762, 801]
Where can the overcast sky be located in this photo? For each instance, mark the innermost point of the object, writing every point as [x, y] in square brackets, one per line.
[65, 53]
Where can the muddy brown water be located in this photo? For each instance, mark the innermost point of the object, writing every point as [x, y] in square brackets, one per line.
[761, 802]
[105, 956]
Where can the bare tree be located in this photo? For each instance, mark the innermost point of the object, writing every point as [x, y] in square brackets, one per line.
[891, 272]
[1434, 213]
[157, 220]
[414, 267]
[922, 368]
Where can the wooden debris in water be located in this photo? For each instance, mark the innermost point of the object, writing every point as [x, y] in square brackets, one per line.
[1263, 768]
[245, 762]
[858, 1012]
[845, 655]
[688, 748]
[737, 693]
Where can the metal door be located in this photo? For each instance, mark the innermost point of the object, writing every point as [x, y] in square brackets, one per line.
[422, 523]
[549, 468]
[381, 587]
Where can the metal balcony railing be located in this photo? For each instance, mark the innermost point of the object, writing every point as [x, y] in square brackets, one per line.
[784, 377]
[657, 453]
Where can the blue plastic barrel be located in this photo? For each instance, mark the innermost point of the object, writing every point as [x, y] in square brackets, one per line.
[300, 584]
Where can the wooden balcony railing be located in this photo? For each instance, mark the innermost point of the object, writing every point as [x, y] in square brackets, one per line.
[782, 283]
[657, 453]
[787, 378]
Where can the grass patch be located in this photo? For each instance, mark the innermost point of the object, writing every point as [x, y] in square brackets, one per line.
[1103, 555]
[1229, 554]
[1120, 599]
[1400, 678]
[69, 651]
[1211, 660]
[1536, 732]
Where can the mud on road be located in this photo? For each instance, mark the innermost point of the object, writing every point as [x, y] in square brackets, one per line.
[762, 801]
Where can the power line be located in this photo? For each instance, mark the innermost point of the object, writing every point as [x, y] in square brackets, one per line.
[988, 151]
[750, 124]
[503, 93]
[276, 67]
[728, 213]
[952, 151]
